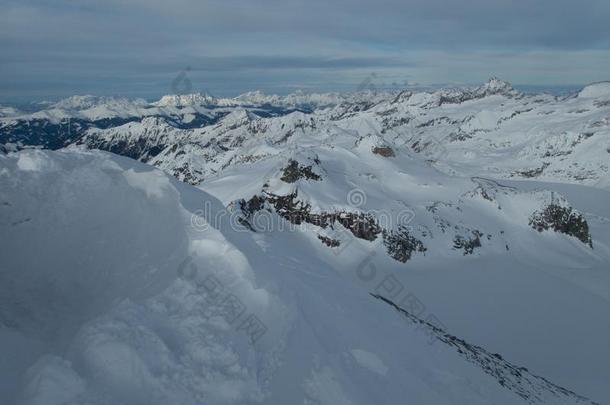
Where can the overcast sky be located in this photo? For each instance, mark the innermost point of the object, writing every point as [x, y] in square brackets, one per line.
[53, 48]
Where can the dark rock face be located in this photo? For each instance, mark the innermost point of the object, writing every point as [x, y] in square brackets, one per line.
[294, 172]
[329, 241]
[400, 244]
[361, 225]
[384, 151]
[517, 379]
[48, 135]
[141, 149]
[564, 220]
[531, 173]
[253, 205]
[468, 244]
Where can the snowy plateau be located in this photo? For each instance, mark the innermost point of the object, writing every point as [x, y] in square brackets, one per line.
[393, 247]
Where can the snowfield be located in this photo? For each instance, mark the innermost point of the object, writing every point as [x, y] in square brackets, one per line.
[448, 247]
[110, 295]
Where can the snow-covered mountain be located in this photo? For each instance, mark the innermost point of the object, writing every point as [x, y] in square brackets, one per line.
[57, 125]
[491, 130]
[297, 100]
[140, 292]
[139, 140]
[450, 246]
[7, 111]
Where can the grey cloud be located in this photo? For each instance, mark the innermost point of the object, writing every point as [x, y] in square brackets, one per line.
[124, 44]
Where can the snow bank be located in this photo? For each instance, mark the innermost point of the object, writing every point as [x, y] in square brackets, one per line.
[79, 235]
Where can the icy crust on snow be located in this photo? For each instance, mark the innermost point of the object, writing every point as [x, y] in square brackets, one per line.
[128, 301]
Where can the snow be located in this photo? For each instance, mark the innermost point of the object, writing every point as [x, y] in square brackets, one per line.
[186, 100]
[7, 111]
[595, 90]
[370, 361]
[35, 161]
[323, 389]
[254, 98]
[122, 285]
[495, 86]
[520, 291]
[490, 130]
[154, 184]
[51, 381]
[126, 303]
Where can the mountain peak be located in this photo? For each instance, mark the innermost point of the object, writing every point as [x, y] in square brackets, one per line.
[238, 117]
[79, 102]
[186, 99]
[495, 86]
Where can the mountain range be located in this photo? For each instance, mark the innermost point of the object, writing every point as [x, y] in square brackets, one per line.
[440, 247]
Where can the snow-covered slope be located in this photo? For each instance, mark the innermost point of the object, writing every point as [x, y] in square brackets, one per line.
[121, 285]
[7, 111]
[449, 246]
[140, 140]
[479, 255]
